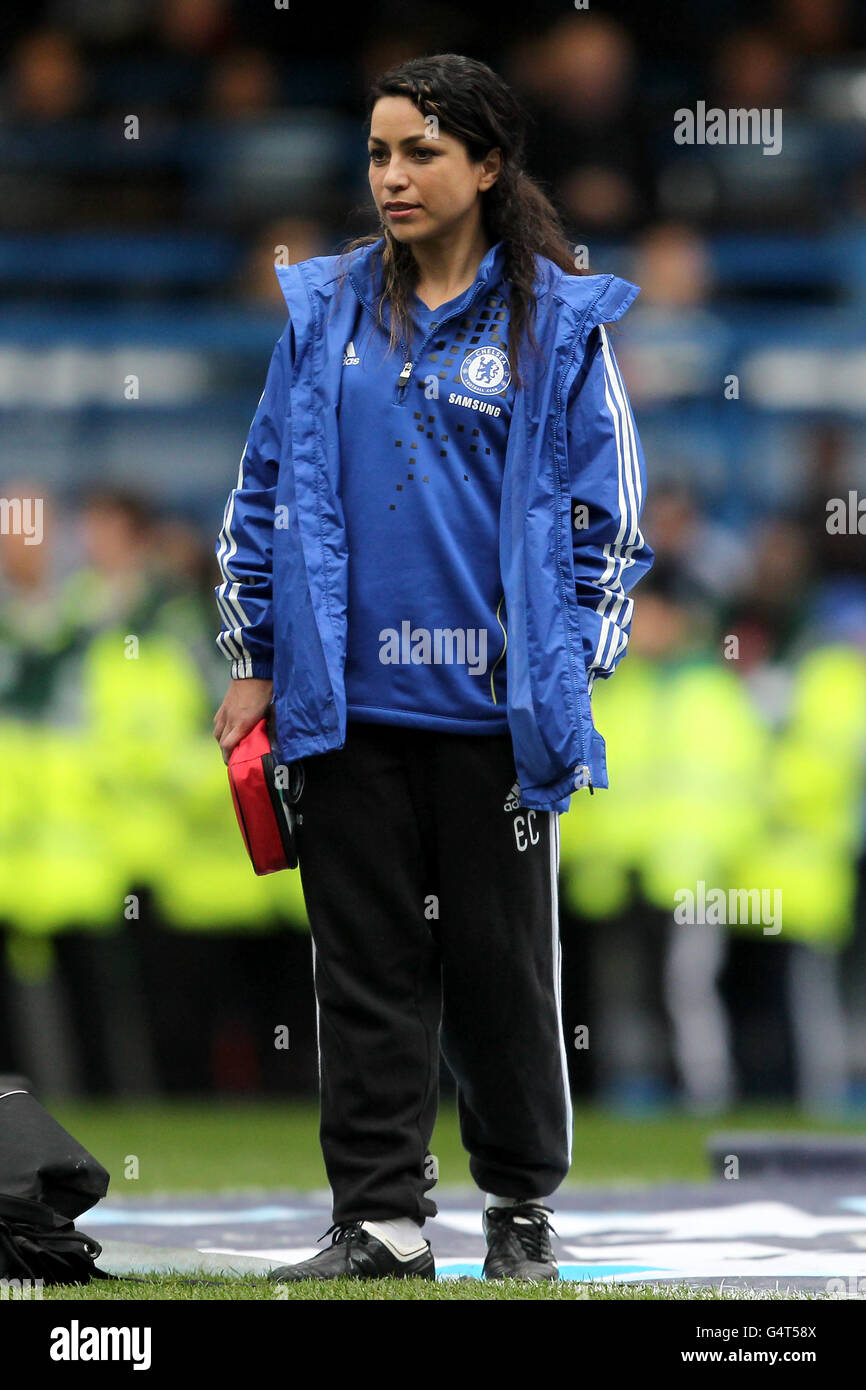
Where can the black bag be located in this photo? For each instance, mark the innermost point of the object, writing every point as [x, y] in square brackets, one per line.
[46, 1179]
[38, 1243]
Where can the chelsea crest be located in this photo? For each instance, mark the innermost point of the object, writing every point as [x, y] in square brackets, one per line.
[486, 371]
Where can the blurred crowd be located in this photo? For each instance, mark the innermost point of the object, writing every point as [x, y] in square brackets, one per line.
[155, 155]
[114, 563]
[246, 121]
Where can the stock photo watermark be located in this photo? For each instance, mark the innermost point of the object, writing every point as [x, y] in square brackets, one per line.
[22, 516]
[846, 516]
[20, 1290]
[737, 126]
[703, 906]
[438, 646]
[77, 1343]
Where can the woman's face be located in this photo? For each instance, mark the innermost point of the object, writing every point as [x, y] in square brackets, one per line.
[428, 174]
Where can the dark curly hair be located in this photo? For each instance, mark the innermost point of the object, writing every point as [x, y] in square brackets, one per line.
[474, 104]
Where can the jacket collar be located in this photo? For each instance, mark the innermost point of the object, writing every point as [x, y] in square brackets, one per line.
[362, 268]
[365, 270]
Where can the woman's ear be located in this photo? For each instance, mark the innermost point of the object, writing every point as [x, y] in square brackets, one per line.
[491, 165]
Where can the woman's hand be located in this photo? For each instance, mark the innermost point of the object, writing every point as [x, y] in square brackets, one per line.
[246, 702]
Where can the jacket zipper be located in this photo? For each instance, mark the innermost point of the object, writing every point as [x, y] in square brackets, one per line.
[403, 380]
[405, 376]
[582, 774]
[408, 367]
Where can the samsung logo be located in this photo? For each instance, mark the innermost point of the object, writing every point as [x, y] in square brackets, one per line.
[483, 407]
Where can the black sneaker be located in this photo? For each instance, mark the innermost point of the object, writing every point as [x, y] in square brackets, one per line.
[357, 1254]
[518, 1243]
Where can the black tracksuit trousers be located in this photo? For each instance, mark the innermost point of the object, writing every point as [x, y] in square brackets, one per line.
[433, 912]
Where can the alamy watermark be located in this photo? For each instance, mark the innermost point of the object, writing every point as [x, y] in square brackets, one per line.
[438, 646]
[737, 126]
[20, 1289]
[720, 907]
[22, 516]
[846, 516]
[852, 1287]
[77, 1343]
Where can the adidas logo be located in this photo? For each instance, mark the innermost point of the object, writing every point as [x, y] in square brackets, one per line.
[350, 357]
[512, 801]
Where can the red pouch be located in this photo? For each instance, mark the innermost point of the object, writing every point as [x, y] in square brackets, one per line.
[264, 807]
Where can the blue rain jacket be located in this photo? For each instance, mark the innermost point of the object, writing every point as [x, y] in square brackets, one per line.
[283, 553]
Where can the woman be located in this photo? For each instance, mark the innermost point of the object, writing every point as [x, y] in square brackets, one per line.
[426, 562]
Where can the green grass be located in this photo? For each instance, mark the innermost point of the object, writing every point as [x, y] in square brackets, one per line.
[235, 1147]
[223, 1146]
[161, 1287]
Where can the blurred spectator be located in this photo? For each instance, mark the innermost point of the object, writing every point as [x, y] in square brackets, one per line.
[751, 67]
[285, 243]
[387, 47]
[198, 26]
[816, 27]
[117, 536]
[672, 267]
[674, 345]
[697, 559]
[586, 137]
[834, 470]
[242, 84]
[765, 175]
[769, 617]
[184, 573]
[35, 631]
[46, 79]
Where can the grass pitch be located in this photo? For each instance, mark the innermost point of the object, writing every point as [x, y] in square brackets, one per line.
[235, 1146]
[254, 1288]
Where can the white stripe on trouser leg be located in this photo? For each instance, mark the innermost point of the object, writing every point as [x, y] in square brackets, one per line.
[316, 996]
[557, 969]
